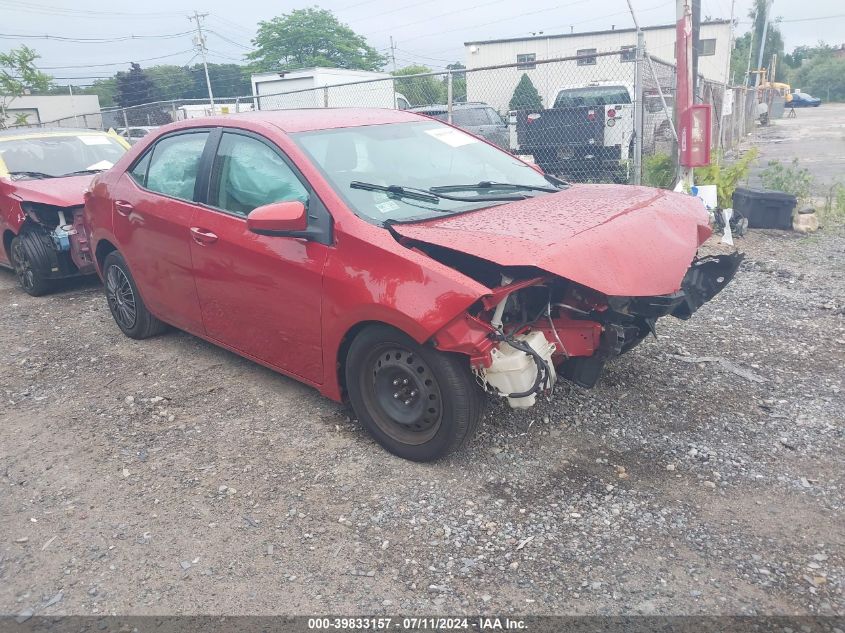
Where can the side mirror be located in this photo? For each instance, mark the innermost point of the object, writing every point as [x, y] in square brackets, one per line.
[278, 219]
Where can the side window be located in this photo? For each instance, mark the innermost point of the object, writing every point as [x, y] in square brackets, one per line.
[139, 172]
[249, 174]
[175, 164]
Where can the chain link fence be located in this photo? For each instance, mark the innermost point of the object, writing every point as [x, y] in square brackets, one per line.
[576, 117]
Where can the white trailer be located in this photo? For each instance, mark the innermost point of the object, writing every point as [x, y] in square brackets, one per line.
[325, 88]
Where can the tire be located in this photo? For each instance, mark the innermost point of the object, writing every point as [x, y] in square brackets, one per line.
[125, 302]
[31, 259]
[439, 405]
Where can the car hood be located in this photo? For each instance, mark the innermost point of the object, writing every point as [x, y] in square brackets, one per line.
[61, 192]
[618, 240]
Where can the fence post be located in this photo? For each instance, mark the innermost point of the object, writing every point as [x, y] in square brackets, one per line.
[325, 96]
[449, 96]
[237, 104]
[638, 109]
[173, 111]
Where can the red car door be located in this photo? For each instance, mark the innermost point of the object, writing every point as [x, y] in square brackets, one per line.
[154, 202]
[260, 295]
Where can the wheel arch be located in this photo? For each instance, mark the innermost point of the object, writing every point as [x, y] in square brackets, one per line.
[8, 236]
[346, 343]
[103, 248]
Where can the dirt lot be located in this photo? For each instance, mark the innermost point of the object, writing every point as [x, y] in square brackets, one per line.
[169, 476]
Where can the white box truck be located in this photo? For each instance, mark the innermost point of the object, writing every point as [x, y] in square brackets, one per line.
[325, 88]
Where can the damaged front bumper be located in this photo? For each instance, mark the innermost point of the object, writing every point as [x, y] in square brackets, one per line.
[631, 319]
[571, 341]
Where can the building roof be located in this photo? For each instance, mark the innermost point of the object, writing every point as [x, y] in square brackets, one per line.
[585, 34]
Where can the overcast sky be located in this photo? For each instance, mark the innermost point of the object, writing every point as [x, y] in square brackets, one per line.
[426, 31]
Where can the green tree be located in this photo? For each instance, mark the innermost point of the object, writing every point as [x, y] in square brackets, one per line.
[134, 87]
[170, 82]
[135, 90]
[822, 76]
[525, 96]
[311, 37]
[459, 82]
[105, 89]
[420, 90]
[19, 76]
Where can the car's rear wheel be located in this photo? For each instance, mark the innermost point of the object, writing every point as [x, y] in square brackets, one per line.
[31, 262]
[418, 403]
[125, 302]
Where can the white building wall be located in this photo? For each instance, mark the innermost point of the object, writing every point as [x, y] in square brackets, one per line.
[50, 108]
[496, 86]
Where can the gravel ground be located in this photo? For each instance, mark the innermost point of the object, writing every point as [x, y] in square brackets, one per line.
[169, 476]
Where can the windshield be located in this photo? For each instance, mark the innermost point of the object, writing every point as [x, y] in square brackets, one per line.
[418, 155]
[60, 155]
[592, 96]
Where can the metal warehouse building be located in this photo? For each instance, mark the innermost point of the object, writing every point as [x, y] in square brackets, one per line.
[496, 87]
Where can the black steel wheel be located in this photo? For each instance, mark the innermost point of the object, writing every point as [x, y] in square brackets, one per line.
[418, 403]
[404, 397]
[125, 302]
[31, 262]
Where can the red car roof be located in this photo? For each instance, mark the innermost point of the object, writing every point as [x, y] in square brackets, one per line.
[306, 120]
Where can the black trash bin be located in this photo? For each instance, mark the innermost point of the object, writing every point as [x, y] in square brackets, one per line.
[765, 208]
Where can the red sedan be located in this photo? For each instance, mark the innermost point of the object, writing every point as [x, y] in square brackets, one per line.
[391, 260]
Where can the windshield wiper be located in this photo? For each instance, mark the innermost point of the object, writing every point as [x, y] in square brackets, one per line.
[396, 190]
[83, 172]
[31, 174]
[488, 184]
[430, 195]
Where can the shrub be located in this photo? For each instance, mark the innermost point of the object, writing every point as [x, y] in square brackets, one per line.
[789, 178]
[726, 177]
[659, 171]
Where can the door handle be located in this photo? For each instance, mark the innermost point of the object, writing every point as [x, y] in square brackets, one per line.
[123, 207]
[203, 237]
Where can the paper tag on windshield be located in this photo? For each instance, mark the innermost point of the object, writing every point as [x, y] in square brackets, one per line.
[453, 138]
[95, 140]
[388, 206]
[103, 164]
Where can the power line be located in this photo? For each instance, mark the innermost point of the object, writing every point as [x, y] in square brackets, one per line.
[226, 39]
[148, 59]
[90, 40]
[81, 13]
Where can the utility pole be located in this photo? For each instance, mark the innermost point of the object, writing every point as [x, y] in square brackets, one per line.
[393, 53]
[766, 11]
[200, 42]
[638, 100]
[683, 91]
[696, 44]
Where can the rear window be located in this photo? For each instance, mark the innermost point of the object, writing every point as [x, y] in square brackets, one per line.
[470, 116]
[592, 96]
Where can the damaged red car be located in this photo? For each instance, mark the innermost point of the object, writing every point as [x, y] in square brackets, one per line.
[44, 173]
[392, 261]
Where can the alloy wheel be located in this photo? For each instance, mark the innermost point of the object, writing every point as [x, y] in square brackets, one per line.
[23, 266]
[121, 298]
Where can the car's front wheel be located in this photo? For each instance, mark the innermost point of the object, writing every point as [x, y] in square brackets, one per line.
[418, 403]
[125, 303]
[31, 261]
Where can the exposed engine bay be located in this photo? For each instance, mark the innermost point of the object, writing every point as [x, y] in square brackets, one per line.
[534, 326]
[56, 240]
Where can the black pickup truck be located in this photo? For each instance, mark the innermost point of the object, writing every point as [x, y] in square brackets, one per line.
[586, 135]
